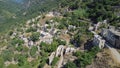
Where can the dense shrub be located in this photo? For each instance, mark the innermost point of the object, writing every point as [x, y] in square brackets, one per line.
[86, 57]
[55, 60]
[33, 50]
[35, 36]
[70, 65]
[31, 29]
[17, 41]
[7, 55]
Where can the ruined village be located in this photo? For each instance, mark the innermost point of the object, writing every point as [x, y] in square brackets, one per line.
[46, 31]
[73, 34]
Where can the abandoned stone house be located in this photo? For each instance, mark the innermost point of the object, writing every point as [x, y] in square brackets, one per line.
[60, 52]
[98, 41]
[57, 53]
[55, 13]
[50, 14]
[46, 37]
[112, 36]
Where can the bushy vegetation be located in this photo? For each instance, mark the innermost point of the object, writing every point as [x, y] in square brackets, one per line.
[22, 60]
[46, 49]
[17, 41]
[35, 36]
[60, 42]
[20, 48]
[50, 47]
[82, 35]
[7, 55]
[101, 10]
[96, 10]
[55, 60]
[31, 29]
[86, 57]
[33, 50]
[70, 65]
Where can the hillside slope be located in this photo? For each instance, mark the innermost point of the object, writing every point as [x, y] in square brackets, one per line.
[12, 11]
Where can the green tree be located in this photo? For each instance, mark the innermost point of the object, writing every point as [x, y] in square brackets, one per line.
[52, 47]
[19, 48]
[25, 49]
[80, 14]
[10, 33]
[17, 41]
[7, 55]
[21, 60]
[31, 29]
[49, 47]
[78, 39]
[86, 58]
[70, 65]
[55, 60]
[101, 9]
[33, 51]
[42, 63]
[77, 53]
[60, 42]
[61, 26]
[35, 36]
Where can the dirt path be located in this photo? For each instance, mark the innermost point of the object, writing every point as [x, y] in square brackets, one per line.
[115, 54]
